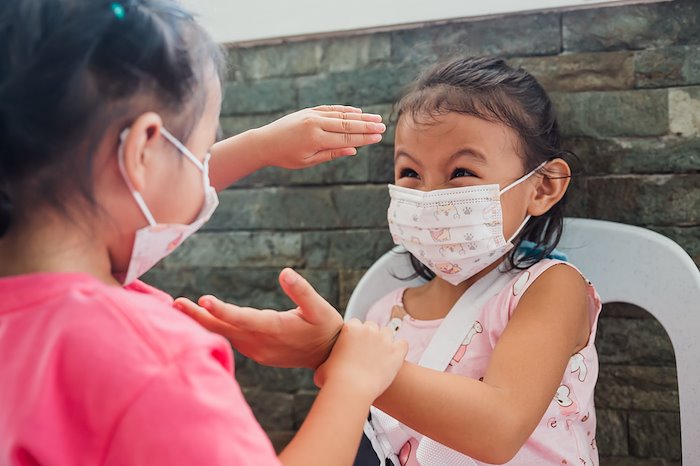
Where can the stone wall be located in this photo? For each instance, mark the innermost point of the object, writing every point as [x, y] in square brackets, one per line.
[626, 82]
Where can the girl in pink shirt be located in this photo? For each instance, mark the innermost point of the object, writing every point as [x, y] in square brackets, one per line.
[108, 114]
[480, 188]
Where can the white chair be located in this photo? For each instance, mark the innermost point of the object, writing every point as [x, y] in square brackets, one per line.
[627, 264]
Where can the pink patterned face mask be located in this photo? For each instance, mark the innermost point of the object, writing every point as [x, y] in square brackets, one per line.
[155, 241]
[455, 232]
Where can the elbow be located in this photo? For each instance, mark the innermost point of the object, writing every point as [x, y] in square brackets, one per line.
[499, 455]
[504, 440]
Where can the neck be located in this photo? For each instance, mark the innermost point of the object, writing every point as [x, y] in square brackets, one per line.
[50, 242]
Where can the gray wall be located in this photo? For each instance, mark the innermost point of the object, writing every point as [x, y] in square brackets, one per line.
[626, 82]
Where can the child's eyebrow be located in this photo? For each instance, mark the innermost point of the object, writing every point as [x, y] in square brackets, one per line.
[401, 153]
[469, 152]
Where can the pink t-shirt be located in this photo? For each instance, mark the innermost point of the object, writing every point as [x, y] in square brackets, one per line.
[98, 375]
[566, 433]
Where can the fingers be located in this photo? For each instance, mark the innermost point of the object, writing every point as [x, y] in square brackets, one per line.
[357, 323]
[352, 126]
[401, 347]
[312, 306]
[332, 154]
[320, 377]
[341, 116]
[245, 319]
[202, 316]
[338, 108]
[339, 144]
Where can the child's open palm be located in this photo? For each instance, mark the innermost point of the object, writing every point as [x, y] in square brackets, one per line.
[299, 337]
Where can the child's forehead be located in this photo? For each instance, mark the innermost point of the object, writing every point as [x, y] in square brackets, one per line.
[452, 133]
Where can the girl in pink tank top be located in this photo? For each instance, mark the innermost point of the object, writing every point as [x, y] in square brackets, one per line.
[480, 186]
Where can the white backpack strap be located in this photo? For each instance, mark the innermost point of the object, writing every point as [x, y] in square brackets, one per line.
[432, 453]
[386, 435]
[454, 328]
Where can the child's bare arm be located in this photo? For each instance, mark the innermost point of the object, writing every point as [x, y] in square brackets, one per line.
[362, 364]
[491, 420]
[298, 140]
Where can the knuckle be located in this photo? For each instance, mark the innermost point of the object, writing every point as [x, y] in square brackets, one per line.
[317, 136]
[308, 121]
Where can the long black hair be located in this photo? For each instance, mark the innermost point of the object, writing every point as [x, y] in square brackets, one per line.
[489, 89]
[69, 69]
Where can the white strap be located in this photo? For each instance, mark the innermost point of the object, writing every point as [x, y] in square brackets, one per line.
[432, 453]
[454, 328]
[384, 442]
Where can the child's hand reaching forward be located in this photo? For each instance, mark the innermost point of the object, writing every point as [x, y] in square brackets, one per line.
[315, 135]
[364, 357]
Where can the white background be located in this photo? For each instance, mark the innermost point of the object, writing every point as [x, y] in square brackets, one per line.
[255, 20]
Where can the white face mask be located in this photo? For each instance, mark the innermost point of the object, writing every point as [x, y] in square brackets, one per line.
[154, 242]
[455, 232]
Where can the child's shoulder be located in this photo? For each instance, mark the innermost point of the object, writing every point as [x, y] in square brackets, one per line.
[145, 315]
[559, 273]
[544, 280]
[118, 326]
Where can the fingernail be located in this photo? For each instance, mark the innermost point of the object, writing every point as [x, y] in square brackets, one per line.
[178, 306]
[206, 302]
[375, 137]
[289, 277]
[379, 127]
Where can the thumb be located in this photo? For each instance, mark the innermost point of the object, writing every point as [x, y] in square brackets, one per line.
[312, 306]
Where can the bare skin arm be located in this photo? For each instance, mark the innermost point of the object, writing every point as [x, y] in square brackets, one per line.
[298, 140]
[362, 364]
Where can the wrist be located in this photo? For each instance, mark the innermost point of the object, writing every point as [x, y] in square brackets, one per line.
[261, 146]
[345, 388]
[325, 350]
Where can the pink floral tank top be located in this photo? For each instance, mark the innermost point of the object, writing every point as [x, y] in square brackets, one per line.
[566, 433]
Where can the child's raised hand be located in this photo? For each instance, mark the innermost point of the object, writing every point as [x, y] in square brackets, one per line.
[365, 356]
[300, 337]
[316, 135]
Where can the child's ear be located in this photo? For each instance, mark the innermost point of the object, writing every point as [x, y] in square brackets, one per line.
[551, 184]
[140, 143]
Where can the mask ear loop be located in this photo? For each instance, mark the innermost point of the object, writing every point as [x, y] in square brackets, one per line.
[520, 228]
[514, 184]
[520, 180]
[181, 147]
[137, 196]
[202, 166]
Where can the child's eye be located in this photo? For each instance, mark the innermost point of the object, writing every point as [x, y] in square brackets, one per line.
[408, 173]
[459, 172]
